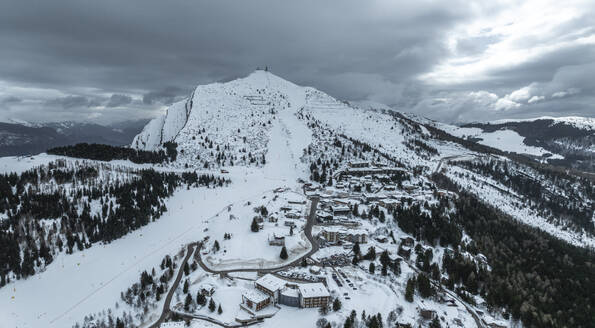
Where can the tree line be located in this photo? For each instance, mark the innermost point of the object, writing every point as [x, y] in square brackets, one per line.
[48, 210]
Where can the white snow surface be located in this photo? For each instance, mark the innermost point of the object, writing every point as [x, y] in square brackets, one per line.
[234, 116]
[585, 123]
[91, 280]
[505, 140]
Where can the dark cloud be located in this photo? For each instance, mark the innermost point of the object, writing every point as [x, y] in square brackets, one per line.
[353, 50]
[11, 100]
[165, 96]
[69, 102]
[117, 100]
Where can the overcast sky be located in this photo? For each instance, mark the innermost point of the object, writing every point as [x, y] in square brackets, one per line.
[455, 61]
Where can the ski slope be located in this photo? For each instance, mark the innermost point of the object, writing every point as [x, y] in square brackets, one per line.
[91, 280]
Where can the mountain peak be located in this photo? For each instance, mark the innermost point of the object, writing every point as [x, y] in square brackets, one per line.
[238, 113]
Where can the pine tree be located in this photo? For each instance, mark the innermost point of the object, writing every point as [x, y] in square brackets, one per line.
[212, 305]
[372, 267]
[186, 269]
[371, 254]
[187, 302]
[219, 310]
[201, 299]
[283, 254]
[337, 305]
[384, 270]
[424, 286]
[410, 290]
[435, 323]
[356, 249]
[355, 259]
[186, 286]
[254, 225]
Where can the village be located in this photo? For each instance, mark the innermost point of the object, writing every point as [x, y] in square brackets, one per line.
[352, 215]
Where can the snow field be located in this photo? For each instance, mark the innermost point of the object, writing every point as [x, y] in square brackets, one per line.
[247, 249]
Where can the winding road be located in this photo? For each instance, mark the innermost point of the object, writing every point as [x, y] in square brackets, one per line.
[197, 246]
[165, 311]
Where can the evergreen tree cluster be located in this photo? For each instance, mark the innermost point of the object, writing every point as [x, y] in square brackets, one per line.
[63, 195]
[102, 152]
[538, 278]
[566, 198]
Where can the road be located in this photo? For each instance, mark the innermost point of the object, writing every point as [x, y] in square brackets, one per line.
[174, 286]
[198, 246]
[307, 231]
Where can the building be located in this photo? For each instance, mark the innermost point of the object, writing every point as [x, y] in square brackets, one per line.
[340, 210]
[324, 216]
[359, 236]
[358, 164]
[270, 285]
[270, 289]
[373, 197]
[389, 203]
[290, 297]
[255, 299]
[330, 235]
[407, 241]
[277, 240]
[296, 202]
[293, 215]
[336, 234]
[313, 295]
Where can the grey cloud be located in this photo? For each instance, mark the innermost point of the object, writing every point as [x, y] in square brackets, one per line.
[350, 49]
[165, 96]
[69, 102]
[11, 100]
[117, 100]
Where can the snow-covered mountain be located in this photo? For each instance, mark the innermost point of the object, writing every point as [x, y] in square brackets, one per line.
[260, 160]
[25, 138]
[224, 123]
[564, 141]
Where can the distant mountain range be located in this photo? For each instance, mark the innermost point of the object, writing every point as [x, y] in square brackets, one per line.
[23, 138]
[564, 141]
[572, 139]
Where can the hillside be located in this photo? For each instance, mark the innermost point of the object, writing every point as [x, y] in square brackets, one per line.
[564, 141]
[398, 220]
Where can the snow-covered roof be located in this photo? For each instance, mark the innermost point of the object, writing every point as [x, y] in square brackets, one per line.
[173, 324]
[271, 282]
[313, 290]
[255, 295]
[344, 230]
[291, 292]
[340, 208]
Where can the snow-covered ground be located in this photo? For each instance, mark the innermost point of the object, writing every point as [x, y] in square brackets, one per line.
[19, 164]
[586, 123]
[505, 140]
[237, 219]
[91, 280]
[506, 200]
[257, 115]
